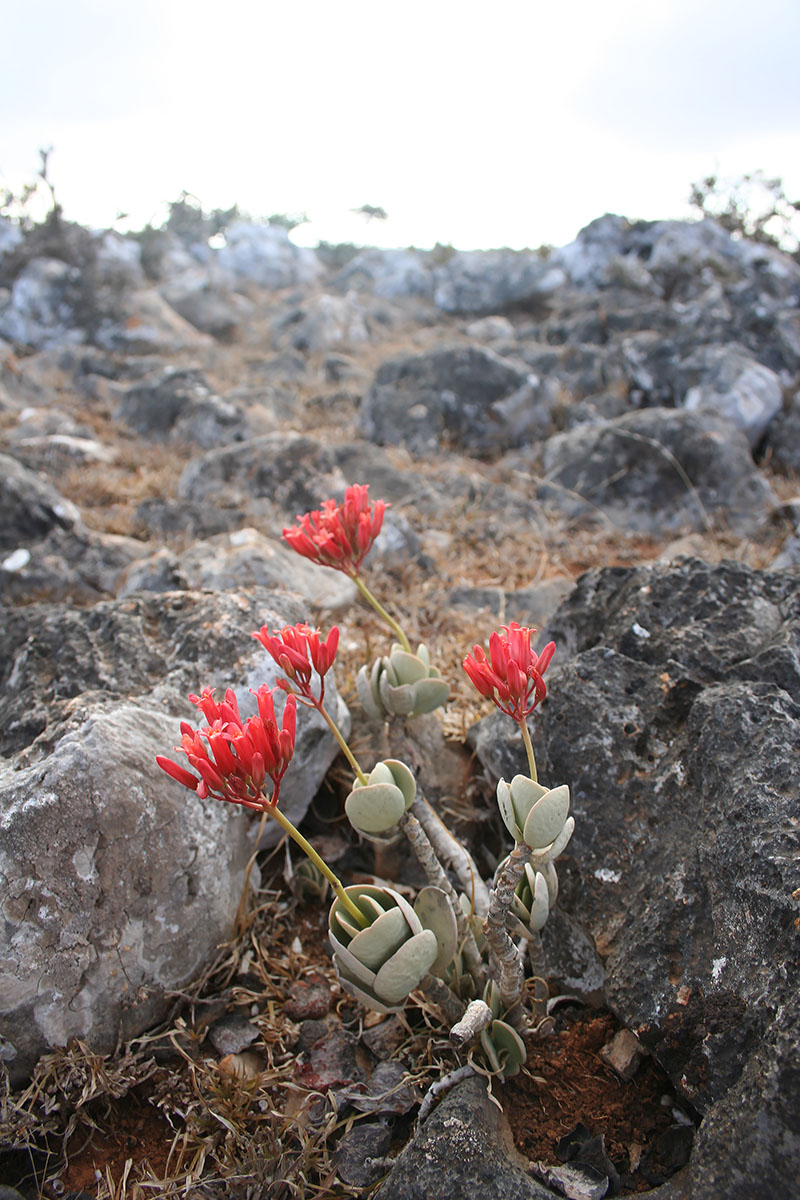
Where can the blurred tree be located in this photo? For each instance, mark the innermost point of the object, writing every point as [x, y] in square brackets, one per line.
[754, 207]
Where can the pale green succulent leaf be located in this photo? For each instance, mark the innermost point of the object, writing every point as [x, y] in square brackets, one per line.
[435, 913]
[364, 995]
[509, 1047]
[403, 777]
[506, 807]
[406, 968]
[424, 654]
[398, 700]
[490, 1052]
[381, 773]
[559, 845]
[524, 794]
[546, 818]
[430, 694]
[551, 878]
[366, 695]
[348, 964]
[379, 941]
[540, 909]
[375, 808]
[408, 668]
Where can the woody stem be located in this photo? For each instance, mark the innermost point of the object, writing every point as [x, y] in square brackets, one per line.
[381, 611]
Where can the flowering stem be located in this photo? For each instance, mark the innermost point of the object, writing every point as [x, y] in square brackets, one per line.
[526, 738]
[346, 751]
[381, 611]
[307, 848]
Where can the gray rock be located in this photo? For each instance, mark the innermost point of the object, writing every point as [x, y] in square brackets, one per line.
[681, 688]
[463, 1150]
[325, 322]
[118, 883]
[242, 559]
[489, 281]
[179, 404]
[463, 396]
[117, 262]
[275, 476]
[10, 236]
[264, 255]
[81, 566]
[31, 507]
[658, 471]
[210, 307]
[142, 322]
[357, 1150]
[736, 387]
[40, 310]
[670, 252]
[391, 274]
[783, 437]
[116, 889]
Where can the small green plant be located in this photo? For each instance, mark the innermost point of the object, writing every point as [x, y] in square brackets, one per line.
[462, 940]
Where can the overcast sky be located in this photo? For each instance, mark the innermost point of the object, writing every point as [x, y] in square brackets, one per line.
[510, 123]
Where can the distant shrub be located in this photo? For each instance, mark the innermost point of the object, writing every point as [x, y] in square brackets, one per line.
[754, 207]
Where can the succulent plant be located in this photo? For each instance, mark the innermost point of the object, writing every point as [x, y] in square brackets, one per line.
[307, 882]
[534, 897]
[502, 1046]
[536, 815]
[401, 684]
[374, 808]
[381, 963]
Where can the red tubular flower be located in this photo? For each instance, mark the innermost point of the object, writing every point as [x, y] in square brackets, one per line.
[297, 649]
[339, 535]
[234, 758]
[512, 674]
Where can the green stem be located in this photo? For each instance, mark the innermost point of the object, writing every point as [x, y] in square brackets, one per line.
[526, 737]
[381, 611]
[346, 751]
[307, 848]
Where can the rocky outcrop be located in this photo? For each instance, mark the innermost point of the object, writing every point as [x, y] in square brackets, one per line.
[629, 392]
[681, 689]
[118, 884]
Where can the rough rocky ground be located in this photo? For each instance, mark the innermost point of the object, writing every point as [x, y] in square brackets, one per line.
[628, 410]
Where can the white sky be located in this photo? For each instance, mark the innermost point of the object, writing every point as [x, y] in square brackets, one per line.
[474, 122]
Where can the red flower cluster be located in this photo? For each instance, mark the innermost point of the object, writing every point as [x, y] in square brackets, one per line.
[240, 755]
[339, 535]
[297, 649]
[512, 675]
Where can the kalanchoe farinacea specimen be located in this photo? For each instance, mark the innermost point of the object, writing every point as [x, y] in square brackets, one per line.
[401, 684]
[385, 947]
[536, 817]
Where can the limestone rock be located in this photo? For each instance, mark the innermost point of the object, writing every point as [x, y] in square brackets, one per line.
[463, 1150]
[466, 397]
[118, 883]
[490, 281]
[658, 470]
[681, 685]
